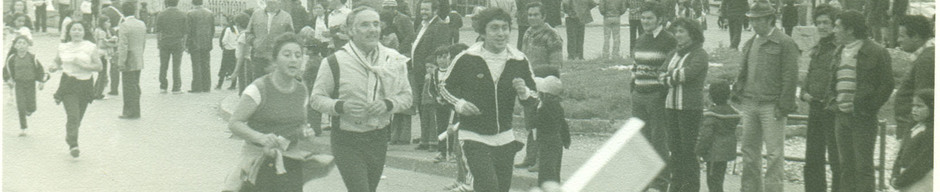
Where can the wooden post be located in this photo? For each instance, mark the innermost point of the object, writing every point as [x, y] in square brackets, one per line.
[883, 129]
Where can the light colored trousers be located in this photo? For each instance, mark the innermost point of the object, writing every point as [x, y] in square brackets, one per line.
[762, 126]
[611, 36]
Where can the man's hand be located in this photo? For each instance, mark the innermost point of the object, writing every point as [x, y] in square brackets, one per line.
[41, 85]
[10, 84]
[54, 68]
[468, 109]
[377, 107]
[519, 84]
[807, 97]
[352, 107]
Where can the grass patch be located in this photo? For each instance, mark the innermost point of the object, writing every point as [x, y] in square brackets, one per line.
[596, 89]
[599, 89]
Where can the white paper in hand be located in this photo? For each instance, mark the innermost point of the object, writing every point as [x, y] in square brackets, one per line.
[625, 163]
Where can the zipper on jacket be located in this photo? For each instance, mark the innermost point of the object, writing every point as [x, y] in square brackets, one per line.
[496, 101]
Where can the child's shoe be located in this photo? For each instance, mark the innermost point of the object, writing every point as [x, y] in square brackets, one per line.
[74, 152]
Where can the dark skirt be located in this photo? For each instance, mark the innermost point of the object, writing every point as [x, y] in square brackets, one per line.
[68, 85]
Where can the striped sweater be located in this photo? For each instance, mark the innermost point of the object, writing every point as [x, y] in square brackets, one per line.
[650, 53]
[846, 77]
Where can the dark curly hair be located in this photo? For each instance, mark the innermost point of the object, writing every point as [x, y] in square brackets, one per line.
[855, 21]
[657, 8]
[826, 9]
[489, 15]
[917, 26]
[719, 92]
[692, 26]
[68, 29]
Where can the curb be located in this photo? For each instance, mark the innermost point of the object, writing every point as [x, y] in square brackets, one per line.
[404, 156]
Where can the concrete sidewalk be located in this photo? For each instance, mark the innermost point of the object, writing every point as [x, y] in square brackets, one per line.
[406, 158]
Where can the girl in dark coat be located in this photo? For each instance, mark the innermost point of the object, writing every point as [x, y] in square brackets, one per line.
[22, 72]
[915, 160]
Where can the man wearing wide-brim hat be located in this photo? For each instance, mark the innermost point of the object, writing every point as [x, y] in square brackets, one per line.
[765, 94]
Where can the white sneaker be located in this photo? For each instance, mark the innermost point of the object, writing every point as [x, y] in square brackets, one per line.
[23, 133]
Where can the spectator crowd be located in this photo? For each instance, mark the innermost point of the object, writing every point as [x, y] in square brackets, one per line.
[363, 72]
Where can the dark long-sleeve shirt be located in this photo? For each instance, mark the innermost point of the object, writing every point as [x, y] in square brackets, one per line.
[172, 27]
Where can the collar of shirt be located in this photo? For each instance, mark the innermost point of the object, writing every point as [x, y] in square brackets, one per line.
[768, 33]
[478, 50]
[657, 31]
[342, 9]
[496, 62]
[368, 59]
[854, 45]
[928, 43]
[544, 25]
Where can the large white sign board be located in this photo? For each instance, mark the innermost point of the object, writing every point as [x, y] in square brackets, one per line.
[625, 163]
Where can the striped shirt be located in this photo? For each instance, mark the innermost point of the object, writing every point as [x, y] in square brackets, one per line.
[649, 55]
[674, 95]
[846, 77]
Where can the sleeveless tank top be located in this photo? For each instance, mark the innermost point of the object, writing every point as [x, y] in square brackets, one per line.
[280, 113]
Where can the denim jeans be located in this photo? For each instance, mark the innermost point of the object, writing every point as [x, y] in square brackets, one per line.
[855, 137]
[762, 126]
[611, 36]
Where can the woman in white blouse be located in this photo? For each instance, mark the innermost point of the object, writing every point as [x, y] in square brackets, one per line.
[79, 60]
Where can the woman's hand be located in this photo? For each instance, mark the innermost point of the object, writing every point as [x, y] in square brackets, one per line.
[267, 140]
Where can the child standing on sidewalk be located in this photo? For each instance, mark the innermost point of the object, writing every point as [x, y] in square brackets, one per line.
[551, 129]
[717, 142]
[21, 72]
[444, 57]
[441, 110]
